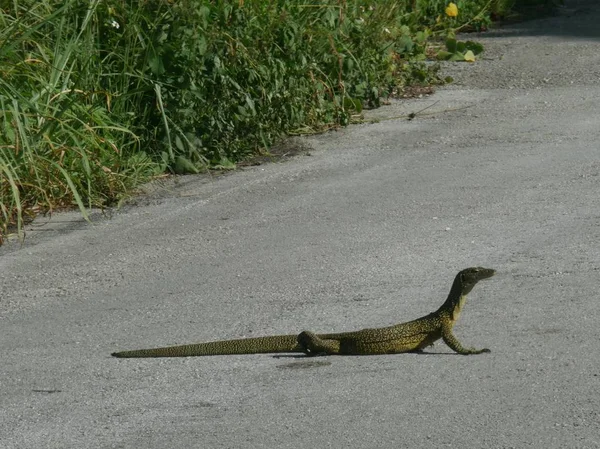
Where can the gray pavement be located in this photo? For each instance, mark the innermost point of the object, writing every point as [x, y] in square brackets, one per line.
[366, 229]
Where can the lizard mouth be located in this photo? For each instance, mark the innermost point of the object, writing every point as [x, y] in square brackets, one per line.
[488, 273]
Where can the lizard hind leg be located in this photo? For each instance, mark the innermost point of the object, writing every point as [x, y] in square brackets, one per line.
[313, 345]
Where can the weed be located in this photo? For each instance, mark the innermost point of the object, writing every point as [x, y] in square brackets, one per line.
[99, 96]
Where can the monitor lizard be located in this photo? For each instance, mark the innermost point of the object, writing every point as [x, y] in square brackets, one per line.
[411, 336]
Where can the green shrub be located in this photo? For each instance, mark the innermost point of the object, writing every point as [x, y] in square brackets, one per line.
[234, 77]
[99, 96]
[66, 136]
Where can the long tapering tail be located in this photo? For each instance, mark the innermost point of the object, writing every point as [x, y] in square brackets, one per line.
[256, 345]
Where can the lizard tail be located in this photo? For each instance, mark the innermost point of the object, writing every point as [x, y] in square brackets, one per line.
[256, 345]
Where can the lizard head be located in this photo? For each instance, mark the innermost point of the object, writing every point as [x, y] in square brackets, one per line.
[471, 276]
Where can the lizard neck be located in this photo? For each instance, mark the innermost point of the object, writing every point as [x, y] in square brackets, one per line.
[458, 308]
[455, 301]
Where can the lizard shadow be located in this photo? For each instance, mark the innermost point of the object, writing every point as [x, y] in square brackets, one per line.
[305, 356]
[433, 353]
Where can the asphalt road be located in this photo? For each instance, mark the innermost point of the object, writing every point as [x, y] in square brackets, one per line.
[366, 229]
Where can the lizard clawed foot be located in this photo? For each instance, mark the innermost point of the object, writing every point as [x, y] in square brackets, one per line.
[312, 345]
[306, 342]
[474, 351]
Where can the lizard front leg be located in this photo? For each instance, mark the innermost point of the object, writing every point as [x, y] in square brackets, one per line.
[454, 344]
[313, 345]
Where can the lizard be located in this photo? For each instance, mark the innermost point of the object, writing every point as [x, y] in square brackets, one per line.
[411, 336]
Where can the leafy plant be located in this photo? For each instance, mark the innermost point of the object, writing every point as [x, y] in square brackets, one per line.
[98, 96]
[460, 51]
[66, 125]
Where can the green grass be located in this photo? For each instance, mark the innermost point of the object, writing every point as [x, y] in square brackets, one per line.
[97, 97]
[67, 136]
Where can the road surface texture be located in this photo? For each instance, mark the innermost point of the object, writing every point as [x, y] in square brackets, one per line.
[366, 229]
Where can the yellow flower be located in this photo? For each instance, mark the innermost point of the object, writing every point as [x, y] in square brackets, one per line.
[452, 10]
